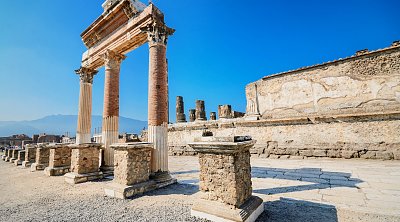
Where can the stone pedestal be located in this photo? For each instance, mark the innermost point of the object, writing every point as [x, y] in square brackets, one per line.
[132, 168]
[14, 155]
[42, 158]
[30, 155]
[84, 163]
[8, 155]
[20, 158]
[59, 160]
[225, 180]
[4, 156]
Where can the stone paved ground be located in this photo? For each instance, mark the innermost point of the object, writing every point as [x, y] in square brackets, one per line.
[293, 190]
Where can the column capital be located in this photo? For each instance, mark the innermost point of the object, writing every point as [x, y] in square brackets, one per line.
[112, 60]
[157, 33]
[86, 74]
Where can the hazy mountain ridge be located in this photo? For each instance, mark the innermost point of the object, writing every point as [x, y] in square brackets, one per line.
[60, 124]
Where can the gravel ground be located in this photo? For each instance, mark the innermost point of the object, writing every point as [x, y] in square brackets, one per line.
[32, 196]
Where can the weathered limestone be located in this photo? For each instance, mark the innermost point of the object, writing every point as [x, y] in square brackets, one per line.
[157, 34]
[225, 180]
[213, 116]
[84, 163]
[14, 155]
[85, 105]
[225, 112]
[200, 110]
[112, 62]
[30, 155]
[180, 113]
[132, 171]
[252, 108]
[42, 157]
[59, 160]
[20, 158]
[7, 156]
[192, 115]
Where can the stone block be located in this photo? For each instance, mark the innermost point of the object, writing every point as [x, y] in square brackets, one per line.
[307, 153]
[347, 154]
[369, 155]
[386, 155]
[84, 163]
[396, 154]
[42, 157]
[59, 160]
[225, 182]
[319, 153]
[334, 153]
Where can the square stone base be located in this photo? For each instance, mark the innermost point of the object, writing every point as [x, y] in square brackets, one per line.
[3, 157]
[74, 178]
[37, 167]
[219, 212]
[17, 162]
[124, 191]
[56, 171]
[12, 160]
[26, 164]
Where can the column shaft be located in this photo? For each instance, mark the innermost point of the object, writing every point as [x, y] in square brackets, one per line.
[158, 107]
[111, 105]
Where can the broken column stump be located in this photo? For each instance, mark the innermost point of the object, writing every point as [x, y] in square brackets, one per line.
[132, 162]
[30, 155]
[20, 158]
[225, 180]
[84, 163]
[59, 160]
[42, 157]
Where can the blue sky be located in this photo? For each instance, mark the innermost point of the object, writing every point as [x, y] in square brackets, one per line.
[219, 46]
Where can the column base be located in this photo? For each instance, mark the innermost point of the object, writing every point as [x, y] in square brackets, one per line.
[3, 157]
[220, 212]
[26, 164]
[17, 162]
[74, 178]
[124, 192]
[160, 176]
[56, 171]
[12, 160]
[37, 167]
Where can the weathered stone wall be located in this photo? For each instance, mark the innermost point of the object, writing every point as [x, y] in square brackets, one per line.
[372, 136]
[30, 154]
[360, 84]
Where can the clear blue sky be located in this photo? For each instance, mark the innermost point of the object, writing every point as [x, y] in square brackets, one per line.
[219, 46]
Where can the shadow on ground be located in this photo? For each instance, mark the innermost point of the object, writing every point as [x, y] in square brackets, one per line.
[289, 210]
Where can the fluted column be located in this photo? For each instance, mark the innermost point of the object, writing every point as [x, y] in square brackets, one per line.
[112, 63]
[158, 96]
[85, 105]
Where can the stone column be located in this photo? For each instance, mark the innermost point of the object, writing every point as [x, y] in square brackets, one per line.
[225, 180]
[180, 113]
[213, 116]
[85, 105]
[192, 115]
[224, 111]
[112, 62]
[158, 34]
[200, 110]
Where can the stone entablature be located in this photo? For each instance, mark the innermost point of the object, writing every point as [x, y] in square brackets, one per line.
[367, 82]
[368, 135]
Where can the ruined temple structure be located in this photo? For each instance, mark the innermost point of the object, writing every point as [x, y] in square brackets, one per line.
[122, 27]
[347, 108]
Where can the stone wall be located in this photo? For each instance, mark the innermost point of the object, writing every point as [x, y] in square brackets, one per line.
[349, 108]
[367, 82]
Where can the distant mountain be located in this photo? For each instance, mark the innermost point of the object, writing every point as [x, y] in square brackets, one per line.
[59, 124]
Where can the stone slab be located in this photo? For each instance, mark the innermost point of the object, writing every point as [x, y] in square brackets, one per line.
[74, 178]
[56, 171]
[124, 192]
[26, 164]
[37, 167]
[219, 212]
